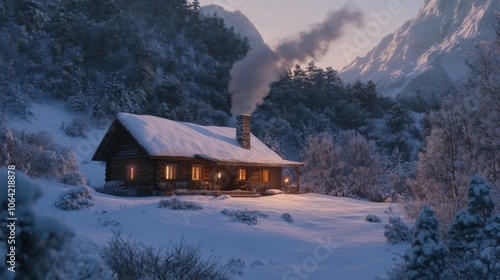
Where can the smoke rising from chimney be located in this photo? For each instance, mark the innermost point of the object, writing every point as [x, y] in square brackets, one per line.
[251, 77]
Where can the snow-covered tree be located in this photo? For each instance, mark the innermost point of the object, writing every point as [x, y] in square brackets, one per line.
[322, 159]
[466, 232]
[487, 265]
[427, 256]
[468, 223]
[397, 231]
[361, 170]
[348, 166]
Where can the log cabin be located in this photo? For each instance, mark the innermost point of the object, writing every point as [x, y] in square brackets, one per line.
[153, 153]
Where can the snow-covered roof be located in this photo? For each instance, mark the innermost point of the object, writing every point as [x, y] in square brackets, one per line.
[163, 137]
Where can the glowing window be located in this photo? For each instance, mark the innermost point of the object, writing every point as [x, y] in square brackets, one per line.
[265, 175]
[242, 174]
[195, 173]
[170, 172]
[131, 173]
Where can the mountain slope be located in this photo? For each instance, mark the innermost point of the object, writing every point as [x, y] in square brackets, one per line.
[427, 53]
[241, 24]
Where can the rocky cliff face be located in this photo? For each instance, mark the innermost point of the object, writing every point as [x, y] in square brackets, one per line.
[428, 52]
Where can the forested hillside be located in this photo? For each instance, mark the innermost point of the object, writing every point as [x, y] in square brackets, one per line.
[103, 57]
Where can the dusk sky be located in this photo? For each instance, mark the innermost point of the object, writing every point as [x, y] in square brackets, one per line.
[278, 19]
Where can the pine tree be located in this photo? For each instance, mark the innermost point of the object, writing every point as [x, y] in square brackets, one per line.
[397, 118]
[97, 113]
[466, 232]
[78, 102]
[487, 266]
[427, 256]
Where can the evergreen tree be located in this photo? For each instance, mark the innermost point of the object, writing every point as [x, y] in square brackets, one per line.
[427, 256]
[487, 266]
[397, 118]
[466, 232]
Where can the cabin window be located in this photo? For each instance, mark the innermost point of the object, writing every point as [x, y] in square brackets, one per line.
[195, 173]
[265, 175]
[130, 173]
[170, 172]
[242, 174]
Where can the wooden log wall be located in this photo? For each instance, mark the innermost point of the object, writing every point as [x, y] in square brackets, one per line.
[144, 170]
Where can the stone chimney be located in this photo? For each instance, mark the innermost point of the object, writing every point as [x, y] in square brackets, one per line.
[243, 131]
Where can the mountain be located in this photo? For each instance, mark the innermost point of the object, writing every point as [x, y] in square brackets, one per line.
[428, 52]
[241, 24]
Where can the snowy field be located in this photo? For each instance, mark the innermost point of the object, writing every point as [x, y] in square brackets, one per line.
[329, 239]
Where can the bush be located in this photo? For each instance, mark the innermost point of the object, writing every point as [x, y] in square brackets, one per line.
[130, 259]
[373, 219]
[75, 199]
[247, 217]
[287, 217]
[113, 184]
[74, 179]
[37, 154]
[397, 231]
[77, 128]
[176, 204]
[256, 263]
[397, 271]
[236, 266]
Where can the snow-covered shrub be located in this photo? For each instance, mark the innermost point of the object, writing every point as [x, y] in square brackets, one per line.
[245, 216]
[397, 231]
[113, 184]
[37, 154]
[176, 204]
[256, 263]
[44, 248]
[287, 217]
[236, 266]
[75, 199]
[427, 256]
[74, 179]
[77, 128]
[373, 218]
[131, 259]
[397, 271]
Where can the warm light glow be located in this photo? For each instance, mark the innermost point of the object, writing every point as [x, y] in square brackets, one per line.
[131, 173]
[265, 175]
[286, 180]
[195, 171]
[169, 172]
[242, 174]
[219, 175]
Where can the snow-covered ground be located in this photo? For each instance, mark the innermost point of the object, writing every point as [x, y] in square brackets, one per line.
[329, 239]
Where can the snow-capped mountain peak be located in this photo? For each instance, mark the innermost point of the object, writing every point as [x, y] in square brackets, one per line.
[431, 47]
[241, 24]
